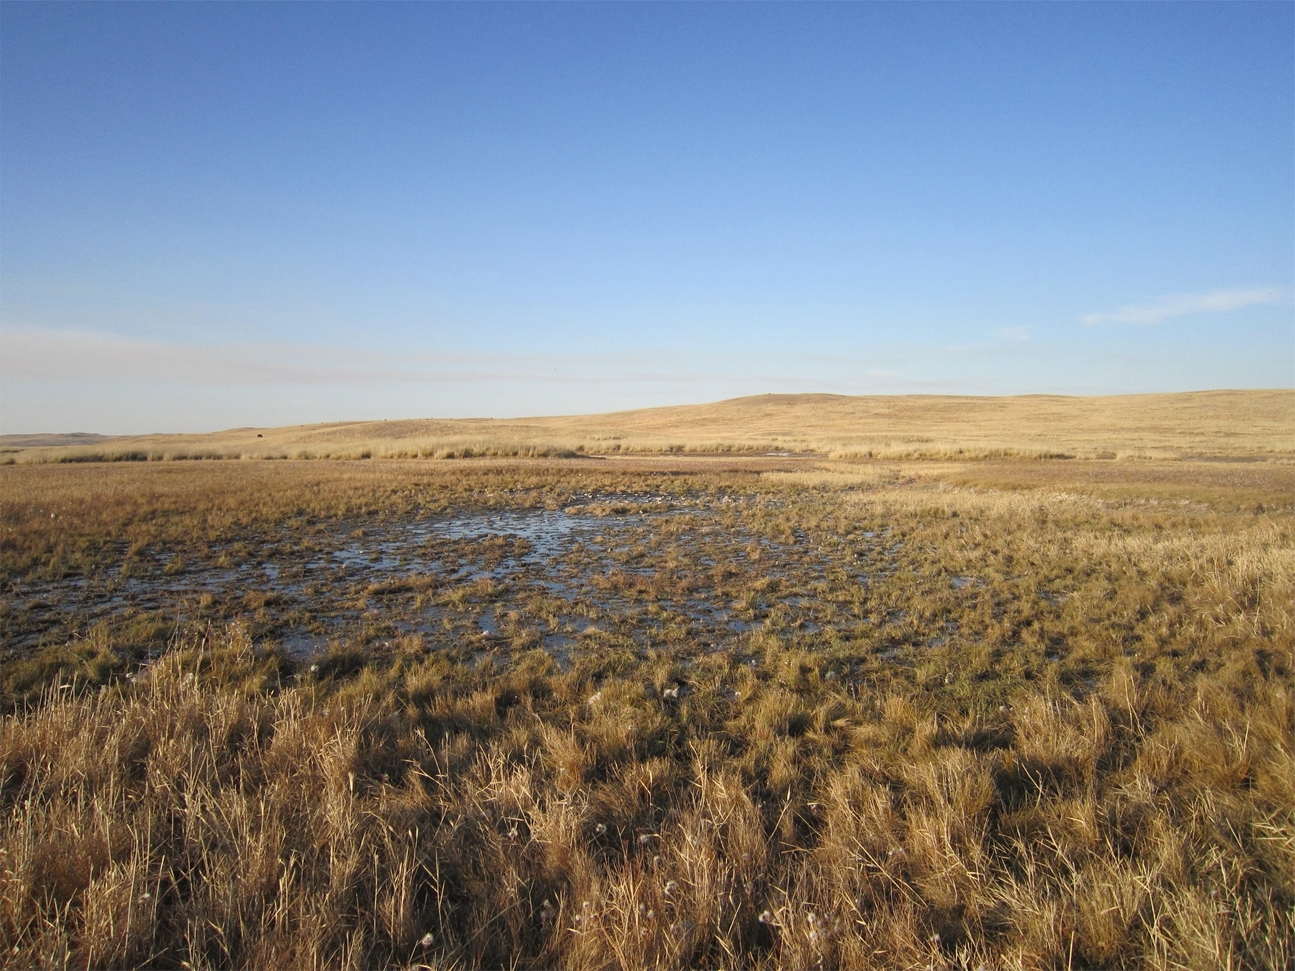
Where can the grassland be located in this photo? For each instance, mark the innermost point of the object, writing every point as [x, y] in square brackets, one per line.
[749, 711]
[1237, 424]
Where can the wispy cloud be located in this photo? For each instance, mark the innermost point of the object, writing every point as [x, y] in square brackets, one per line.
[1013, 333]
[87, 357]
[1184, 304]
[48, 357]
[36, 354]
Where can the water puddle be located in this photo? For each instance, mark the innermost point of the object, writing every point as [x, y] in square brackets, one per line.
[617, 571]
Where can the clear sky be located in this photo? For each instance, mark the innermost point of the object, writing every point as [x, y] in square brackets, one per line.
[215, 215]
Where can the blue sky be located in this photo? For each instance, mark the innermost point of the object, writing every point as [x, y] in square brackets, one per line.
[215, 215]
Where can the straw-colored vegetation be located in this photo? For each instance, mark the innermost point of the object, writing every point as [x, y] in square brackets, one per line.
[1051, 726]
[1199, 424]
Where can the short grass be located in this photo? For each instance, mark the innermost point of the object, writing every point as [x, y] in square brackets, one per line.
[1053, 728]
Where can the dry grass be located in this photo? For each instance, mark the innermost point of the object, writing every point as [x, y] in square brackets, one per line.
[1253, 424]
[214, 815]
[1094, 766]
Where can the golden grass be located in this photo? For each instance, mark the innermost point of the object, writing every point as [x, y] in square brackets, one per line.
[1249, 424]
[214, 815]
[1084, 757]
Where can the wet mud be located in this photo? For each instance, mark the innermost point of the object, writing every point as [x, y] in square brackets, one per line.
[608, 573]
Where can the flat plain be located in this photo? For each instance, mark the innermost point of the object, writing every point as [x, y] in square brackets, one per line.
[913, 691]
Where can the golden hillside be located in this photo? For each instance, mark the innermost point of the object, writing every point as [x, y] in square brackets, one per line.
[1235, 424]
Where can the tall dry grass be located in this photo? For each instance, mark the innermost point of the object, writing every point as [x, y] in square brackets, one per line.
[220, 813]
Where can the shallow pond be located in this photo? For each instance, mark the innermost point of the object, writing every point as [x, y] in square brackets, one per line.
[610, 572]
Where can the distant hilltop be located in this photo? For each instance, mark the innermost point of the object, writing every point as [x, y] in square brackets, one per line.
[44, 441]
[1252, 424]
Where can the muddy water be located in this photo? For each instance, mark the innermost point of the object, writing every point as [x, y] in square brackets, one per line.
[610, 572]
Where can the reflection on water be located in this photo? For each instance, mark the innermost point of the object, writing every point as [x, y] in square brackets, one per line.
[526, 578]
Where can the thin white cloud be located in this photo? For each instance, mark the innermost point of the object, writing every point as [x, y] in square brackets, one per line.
[50, 358]
[35, 353]
[45, 355]
[88, 357]
[1013, 333]
[1184, 304]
